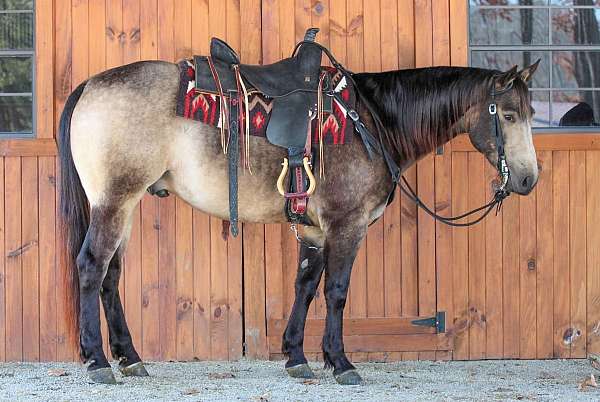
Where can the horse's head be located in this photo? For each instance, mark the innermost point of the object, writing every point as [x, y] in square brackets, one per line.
[510, 95]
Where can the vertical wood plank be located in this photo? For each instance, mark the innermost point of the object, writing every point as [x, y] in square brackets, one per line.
[219, 264]
[44, 69]
[115, 37]
[97, 32]
[202, 265]
[131, 30]
[593, 252]
[477, 310]
[459, 33]
[528, 297]
[392, 250]
[167, 278]
[182, 38]
[254, 291]
[150, 279]
[249, 54]
[13, 280]
[374, 241]
[201, 222]
[131, 275]
[460, 257]
[510, 279]
[406, 34]
[150, 315]
[425, 177]
[545, 256]
[357, 301]
[80, 46]
[561, 195]
[30, 259]
[62, 56]
[442, 179]
[577, 260]
[184, 280]
[132, 278]
[166, 233]
[493, 272]
[274, 274]
[47, 258]
[255, 336]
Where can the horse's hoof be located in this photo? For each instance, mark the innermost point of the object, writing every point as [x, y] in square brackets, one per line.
[300, 371]
[350, 377]
[134, 370]
[102, 376]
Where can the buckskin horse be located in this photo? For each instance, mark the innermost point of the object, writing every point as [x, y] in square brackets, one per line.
[110, 155]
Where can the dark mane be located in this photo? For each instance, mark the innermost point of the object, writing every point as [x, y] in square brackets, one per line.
[418, 107]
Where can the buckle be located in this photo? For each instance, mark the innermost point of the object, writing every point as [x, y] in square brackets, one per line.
[492, 109]
[353, 115]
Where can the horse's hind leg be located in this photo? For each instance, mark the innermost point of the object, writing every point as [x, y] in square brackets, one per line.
[120, 341]
[104, 235]
[310, 269]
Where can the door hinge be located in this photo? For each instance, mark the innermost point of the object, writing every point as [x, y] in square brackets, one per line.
[438, 322]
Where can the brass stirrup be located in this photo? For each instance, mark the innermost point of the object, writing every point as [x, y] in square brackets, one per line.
[311, 179]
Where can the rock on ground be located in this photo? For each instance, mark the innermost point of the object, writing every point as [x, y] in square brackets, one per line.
[267, 381]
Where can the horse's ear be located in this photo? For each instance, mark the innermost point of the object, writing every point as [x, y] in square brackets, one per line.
[527, 72]
[506, 78]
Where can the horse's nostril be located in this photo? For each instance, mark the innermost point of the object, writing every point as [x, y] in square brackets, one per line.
[526, 182]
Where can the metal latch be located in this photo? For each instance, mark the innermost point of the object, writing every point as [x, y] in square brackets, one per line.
[438, 322]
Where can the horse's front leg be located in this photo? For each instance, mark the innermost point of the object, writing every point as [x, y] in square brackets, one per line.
[310, 269]
[341, 247]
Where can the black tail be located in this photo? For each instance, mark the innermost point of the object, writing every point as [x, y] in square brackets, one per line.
[74, 211]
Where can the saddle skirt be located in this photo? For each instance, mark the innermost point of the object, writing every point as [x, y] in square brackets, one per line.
[205, 106]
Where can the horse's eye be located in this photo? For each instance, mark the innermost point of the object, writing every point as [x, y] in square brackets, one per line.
[508, 117]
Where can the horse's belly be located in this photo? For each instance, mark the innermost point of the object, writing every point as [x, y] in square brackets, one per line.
[198, 173]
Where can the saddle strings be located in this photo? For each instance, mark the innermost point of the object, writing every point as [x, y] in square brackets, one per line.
[223, 113]
[320, 112]
[245, 120]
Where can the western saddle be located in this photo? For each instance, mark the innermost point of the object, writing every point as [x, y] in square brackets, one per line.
[293, 85]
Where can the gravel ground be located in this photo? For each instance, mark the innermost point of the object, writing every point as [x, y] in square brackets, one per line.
[267, 381]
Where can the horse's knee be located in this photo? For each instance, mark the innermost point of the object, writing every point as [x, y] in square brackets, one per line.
[336, 295]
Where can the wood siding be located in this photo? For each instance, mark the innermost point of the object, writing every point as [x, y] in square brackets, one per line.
[524, 284]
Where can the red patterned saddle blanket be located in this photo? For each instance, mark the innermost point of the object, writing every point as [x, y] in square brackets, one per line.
[204, 106]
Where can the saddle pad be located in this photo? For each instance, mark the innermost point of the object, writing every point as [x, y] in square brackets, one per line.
[205, 107]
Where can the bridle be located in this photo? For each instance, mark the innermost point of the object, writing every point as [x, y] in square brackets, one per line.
[503, 171]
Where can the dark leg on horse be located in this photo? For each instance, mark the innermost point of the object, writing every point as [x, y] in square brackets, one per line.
[120, 341]
[340, 248]
[101, 241]
[310, 269]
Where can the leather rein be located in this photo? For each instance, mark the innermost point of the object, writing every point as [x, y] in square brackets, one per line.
[376, 145]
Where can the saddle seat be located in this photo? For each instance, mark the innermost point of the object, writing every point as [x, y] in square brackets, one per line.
[291, 82]
[297, 73]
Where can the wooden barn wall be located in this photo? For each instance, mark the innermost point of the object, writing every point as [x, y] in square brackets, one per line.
[524, 284]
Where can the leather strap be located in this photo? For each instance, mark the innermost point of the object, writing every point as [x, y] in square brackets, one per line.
[233, 159]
